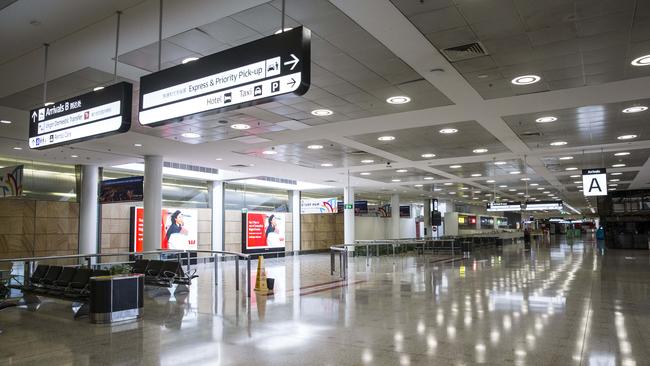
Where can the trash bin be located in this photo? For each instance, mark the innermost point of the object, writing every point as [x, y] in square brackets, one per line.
[270, 282]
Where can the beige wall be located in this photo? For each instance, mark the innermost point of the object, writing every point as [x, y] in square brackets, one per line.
[321, 231]
[38, 228]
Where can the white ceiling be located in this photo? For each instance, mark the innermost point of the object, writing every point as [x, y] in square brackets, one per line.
[588, 113]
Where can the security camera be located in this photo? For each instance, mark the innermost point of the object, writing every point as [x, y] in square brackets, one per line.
[388, 164]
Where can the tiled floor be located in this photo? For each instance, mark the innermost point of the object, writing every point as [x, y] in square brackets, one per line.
[563, 303]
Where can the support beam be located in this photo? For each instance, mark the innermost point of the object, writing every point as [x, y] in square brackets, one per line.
[294, 199]
[216, 193]
[394, 217]
[153, 165]
[348, 216]
[89, 210]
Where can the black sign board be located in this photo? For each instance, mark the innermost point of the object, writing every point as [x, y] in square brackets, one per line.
[504, 206]
[245, 75]
[99, 113]
[129, 189]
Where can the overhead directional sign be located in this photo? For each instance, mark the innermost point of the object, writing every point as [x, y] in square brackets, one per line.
[245, 75]
[504, 206]
[91, 115]
[594, 182]
[543, 205]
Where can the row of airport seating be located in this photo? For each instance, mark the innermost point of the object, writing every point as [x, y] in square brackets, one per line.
[68, 283]
[162, 273]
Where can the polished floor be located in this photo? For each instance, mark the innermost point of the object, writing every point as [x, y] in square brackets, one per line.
[565, 302]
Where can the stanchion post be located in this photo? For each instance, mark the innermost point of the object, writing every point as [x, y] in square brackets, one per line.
[188, 261]
[89, 262]
[331, 262]
[27, 272]
[248, 280]
[237, 273]
[216, 269]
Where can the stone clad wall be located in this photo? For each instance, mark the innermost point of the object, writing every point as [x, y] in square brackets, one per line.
[321, 231]
[38, 228]
[233, 231]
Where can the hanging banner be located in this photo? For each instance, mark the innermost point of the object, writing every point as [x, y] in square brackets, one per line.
[594, 182]
[96, 114]
[11, 181]
[504, 206]
[316, 206]
[242, 76]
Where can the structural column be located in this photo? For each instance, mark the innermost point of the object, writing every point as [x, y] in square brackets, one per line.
[216, 204]
[394, 216]
[427, 219]
[153, 166]
[89, 210]
[348, 215]
[294, 201]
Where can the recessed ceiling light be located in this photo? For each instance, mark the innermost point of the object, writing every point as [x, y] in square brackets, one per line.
[74, 156]
[5, 122]
[613, 185]
[282, 30]
[571, 168]
[189, 59]
[566, 158]
[367, 161]
[577, 182]
[463, 188]
[618, 165]
[615, 180]
[47, 104]
[269, 152]
[327, 164]
[218, 159]
[428, 178]
[396, 180]
[545, 192]
[366, 173]
[624, 153]
[520, 193]
[448, 131]
[526, 79]
[386, 138]
[515, 172]
[315, 147]
[627, 137]
[190, 135]
[418, 185]
[490, 181]
[98, 88]
[437, 189]
[558, 143]
[617, 173]
[137, 145]
[428, 155]
[540, 189]
[398, 99]
[448, 184]
[500, 163]
[455, 166]
[452, 192]
[576, 176]
[503, 186]
[525, 179]
[635, 109]
[534, 184]
[480, 151]
[477, 175]
[401, 170]
[322, 112]
[17, 148]
[240, 126]
[641, 61]
[512, 190]
[546, 119]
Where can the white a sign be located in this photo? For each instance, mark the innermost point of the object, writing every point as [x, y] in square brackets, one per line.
[594, 182]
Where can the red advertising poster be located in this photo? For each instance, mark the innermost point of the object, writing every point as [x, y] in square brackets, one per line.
[265, 230]
[178, 229]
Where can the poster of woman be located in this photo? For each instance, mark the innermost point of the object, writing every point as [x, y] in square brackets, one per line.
[265, 230]
[179, 229]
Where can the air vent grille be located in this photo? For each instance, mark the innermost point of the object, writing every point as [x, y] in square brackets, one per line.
[464, 52]
[194, 168]
[532, 134]
[278, 180]
[239, 166]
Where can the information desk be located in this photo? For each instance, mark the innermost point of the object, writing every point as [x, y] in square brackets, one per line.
[116, 298]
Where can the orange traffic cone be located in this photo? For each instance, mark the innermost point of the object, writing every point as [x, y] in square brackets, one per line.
[260, 279]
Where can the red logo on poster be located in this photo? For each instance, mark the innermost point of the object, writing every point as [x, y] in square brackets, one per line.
[86, 115]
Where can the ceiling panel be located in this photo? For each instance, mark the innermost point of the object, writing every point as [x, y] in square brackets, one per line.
[393, 176]
[526, 37]
[413, 142]
[487, 169]
[339, 156]
[582, 126]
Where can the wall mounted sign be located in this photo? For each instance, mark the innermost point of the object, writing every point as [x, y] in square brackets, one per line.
[544, 205]
[504, 206]
[128, 189]
[11, 181]
[91, 115]
[263, 232]
[178, 227]
[316, 206]
[245, 75]
[594, 182]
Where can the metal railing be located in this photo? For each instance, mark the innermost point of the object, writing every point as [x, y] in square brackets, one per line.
[181, 254]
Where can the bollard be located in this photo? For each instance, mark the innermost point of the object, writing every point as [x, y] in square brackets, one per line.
[248, 280]
[237, 273]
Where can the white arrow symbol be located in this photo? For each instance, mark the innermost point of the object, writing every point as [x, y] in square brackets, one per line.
[293, 62]
[34, 115]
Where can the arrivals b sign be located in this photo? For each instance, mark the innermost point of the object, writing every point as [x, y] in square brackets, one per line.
[594, 182]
